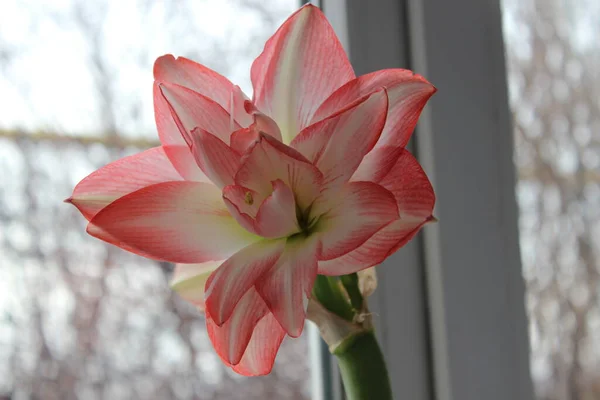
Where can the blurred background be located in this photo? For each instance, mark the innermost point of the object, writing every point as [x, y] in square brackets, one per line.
[80, 319]
[553, 59]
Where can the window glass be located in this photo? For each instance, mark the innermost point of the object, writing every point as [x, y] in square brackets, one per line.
[553, 57]
[78, 318]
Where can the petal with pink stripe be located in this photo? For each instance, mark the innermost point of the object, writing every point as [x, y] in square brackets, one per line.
[302, 64]
[122, 177]
[185, 222]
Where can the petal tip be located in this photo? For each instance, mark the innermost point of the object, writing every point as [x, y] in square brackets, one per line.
[159, 61]
[68, 200]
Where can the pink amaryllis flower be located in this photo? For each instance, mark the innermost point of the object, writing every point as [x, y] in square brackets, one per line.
[253, 199]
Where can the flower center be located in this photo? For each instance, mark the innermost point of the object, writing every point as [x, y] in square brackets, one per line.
[305, 221]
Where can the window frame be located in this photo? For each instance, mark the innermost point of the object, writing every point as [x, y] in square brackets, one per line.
[450, 307]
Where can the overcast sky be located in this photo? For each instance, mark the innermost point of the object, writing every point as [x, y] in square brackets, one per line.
[48, 81]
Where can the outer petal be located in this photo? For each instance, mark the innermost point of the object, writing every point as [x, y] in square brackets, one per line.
[375, 250]
[350, 216]
[121, 177]
[230, 282]
[377, 163]
[184, 162]
[217, 160]
[337, 145]
[260, 354]
[191, 110]
[170, 136]
[270, 160]
[184, 222]
[276, 216]
[287, 286]
[415, 198]
[203, 80]
[231, 338]
[301, 65]
[408, 93]
[189, 280]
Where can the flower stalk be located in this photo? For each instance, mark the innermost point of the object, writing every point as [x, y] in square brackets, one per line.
[363, 369]
[339, 308]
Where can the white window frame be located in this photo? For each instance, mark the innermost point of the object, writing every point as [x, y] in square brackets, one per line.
[450, 306]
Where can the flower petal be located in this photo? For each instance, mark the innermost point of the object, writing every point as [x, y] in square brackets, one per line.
[175, 146]
[287, 286]
[410, 186]
[408, 93]
[377, 163]
[301, 65]
[337, 145]
[415, 198]
[122, 177]
[201, 79]
[189, 280]
[217, 160]
[184, 222]
[375, 250]
[276, 216]
[244, 139]
[259, 356]
[191, 110]
[270, 160]
[184, 162]
[230, 282]
[232, 337]
[351, 215]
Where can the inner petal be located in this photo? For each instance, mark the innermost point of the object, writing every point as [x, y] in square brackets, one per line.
[270, 160]
[274, 218]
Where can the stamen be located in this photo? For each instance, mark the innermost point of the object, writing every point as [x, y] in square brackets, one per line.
[248, 198]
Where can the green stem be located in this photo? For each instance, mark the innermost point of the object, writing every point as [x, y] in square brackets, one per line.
[363, 369]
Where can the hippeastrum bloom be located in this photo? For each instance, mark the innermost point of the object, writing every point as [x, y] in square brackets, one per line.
[253, 199]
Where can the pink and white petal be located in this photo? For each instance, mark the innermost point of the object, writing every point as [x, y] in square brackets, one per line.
[270, 160]
[415, 198]
[183, 222]
[184, 162]
[260, 354]
[410, 186]
[377, 163]
[191, 110]
[375, 250]
[168, 131]
[301, 65]
[349, 216]
[217, 160]
[408, 93]
[184, 72]
[262, 122]
[245, 200]
[287, 286]
[275, 217]
[231, 339]
[337, 145]
[230, 282]
[237, 107]
[170, 136]
[244, 139]
[122, 177]
[188, 281]
[201, 79]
